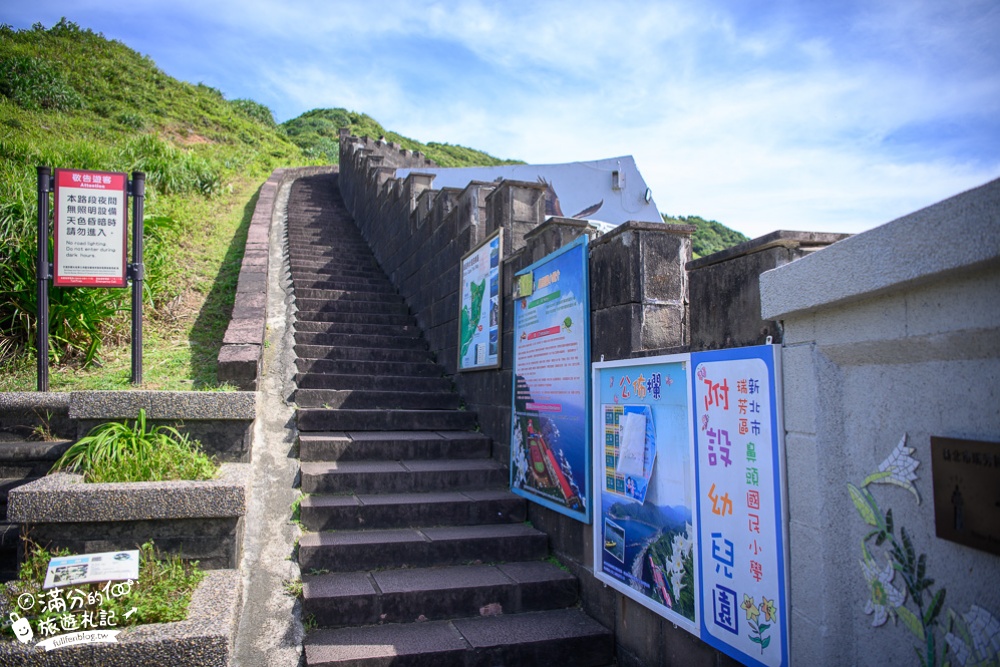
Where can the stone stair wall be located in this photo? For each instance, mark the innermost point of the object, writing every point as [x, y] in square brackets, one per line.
[639, 307]
[647, 298]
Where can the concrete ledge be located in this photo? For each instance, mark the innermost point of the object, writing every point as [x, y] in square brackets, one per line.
[242, 348]
[66, 498]
[959, 233]
[160, 405]
[28, 402]
[204, 639]
[778, 239]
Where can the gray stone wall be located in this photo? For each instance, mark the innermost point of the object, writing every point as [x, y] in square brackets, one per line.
[725, 288]
[639, 306]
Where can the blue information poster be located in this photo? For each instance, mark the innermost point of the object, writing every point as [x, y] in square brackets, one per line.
[550, 450]
[479, 323]
[739, 470]
[644, 533]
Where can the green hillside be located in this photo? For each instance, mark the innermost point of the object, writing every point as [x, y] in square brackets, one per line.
[71, 98]
[709, 236]
[316, 132]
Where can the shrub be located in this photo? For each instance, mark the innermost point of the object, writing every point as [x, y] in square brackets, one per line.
[33, 83]
[255, 111]
[124, 452]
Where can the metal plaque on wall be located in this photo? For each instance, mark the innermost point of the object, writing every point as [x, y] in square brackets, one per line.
[967, 492]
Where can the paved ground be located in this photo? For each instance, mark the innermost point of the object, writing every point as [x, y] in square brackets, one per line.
[270, 632]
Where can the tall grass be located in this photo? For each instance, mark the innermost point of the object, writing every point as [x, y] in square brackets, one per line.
[136, 452]
[71, 98]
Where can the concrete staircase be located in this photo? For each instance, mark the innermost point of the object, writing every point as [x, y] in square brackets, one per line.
[420, 555]
[21, 461]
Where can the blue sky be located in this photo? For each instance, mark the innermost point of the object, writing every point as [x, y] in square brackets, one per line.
[779, 114]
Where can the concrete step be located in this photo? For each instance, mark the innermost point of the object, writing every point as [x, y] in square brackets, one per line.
[357, 382]
[356, 318]
[316, 251]
[371, 399]
[348, 329]
[321, 281]
[321, 419]
[336, 266]
[353, 550]
[346, 295]
[417, 476]
[334, 367]
[335, 353]
[557, 638]
[366, 307]
[393, 445]
[408, 510]
[343, 282]
[360, 340]
[458, 591]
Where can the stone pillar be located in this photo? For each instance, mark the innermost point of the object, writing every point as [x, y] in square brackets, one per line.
[518, 207]
[638, 289]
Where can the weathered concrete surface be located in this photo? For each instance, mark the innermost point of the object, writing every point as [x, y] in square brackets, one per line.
[204, 639]
[270, 630]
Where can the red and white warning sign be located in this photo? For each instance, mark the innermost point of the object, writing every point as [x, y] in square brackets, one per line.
[90, 228]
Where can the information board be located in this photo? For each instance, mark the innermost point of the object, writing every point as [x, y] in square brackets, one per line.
[739, 470]
[90, 228]
[550, 451]
[644, 531]
[479, 322]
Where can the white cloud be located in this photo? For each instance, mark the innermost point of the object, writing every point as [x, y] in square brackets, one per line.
[762, 116]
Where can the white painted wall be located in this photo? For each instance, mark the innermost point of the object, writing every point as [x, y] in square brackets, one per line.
[894, 331]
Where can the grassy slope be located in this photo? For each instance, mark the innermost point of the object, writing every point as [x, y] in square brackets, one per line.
[709, 236]
[110, 108]
[317, 132]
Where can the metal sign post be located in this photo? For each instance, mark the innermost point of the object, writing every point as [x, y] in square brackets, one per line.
[137, 188]
[90, 234]
[43, 273]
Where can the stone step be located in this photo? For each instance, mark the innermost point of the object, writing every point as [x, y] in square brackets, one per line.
[360, 254]
[347, 295]
[396, 368]
[321, 419]
[345, 328]
[360, 340]
[360, 382]
[356, 318]
[392, 445]
[336, 266]
[321, 281]
[20, 452]
[343, 282]
[416, 476]
[361, 353]
[559, 637]
[408, 510]
[368, 399]
[365, 307]
[352, 550]
[317, 253]
[457, 591]
[333, 271]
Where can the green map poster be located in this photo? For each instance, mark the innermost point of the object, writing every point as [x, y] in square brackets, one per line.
[479, 326]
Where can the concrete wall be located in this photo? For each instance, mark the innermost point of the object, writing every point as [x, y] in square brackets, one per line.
[725, 288]
[891, 333]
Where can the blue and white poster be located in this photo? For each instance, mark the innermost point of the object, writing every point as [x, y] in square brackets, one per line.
[550, 445]
[645, 531]
[741, 515]
[479, 323]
